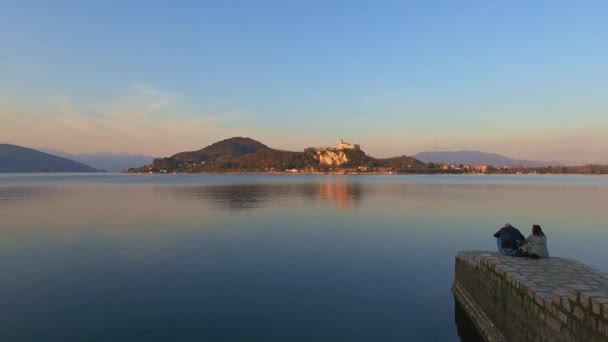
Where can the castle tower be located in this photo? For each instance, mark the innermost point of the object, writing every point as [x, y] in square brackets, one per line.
[346, 145]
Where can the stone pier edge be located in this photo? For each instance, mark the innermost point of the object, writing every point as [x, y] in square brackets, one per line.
[571, 313]
[482, 322]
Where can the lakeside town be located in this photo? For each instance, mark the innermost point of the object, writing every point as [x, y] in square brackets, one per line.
[245, 155]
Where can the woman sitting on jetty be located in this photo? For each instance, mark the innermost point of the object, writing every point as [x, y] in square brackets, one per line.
[537, 243]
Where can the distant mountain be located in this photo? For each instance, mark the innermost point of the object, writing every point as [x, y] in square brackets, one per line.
[113, 162]
[474, 158]
[15, 158]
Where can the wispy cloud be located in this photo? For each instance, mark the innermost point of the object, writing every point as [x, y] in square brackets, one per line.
[146, 89]
[146, 120]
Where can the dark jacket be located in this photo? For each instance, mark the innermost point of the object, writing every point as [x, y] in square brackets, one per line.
[509, 236]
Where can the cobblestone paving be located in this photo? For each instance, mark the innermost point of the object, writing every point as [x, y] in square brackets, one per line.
[547, 278]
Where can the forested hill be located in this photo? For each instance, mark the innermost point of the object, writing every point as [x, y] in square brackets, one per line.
[15, 158]
[228, 148]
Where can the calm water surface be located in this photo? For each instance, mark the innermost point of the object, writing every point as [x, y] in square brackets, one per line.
[257, 257]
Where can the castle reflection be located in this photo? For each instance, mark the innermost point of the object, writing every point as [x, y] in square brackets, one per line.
[345, 194]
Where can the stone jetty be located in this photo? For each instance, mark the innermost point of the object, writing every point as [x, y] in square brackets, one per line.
[521, 299]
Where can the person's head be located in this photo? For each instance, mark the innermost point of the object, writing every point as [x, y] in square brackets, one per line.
[507, 225]
[537, 230]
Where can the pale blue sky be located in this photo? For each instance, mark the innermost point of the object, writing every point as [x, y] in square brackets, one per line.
[525, 79]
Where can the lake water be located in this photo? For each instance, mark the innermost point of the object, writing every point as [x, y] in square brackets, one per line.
[111, 257]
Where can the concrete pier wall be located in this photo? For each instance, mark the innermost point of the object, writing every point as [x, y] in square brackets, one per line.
[518, 299]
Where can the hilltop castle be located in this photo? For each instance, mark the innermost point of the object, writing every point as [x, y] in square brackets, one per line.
[348, 146]
[341, 146]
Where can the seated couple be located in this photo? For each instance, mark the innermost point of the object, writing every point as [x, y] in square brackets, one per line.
[512, 243]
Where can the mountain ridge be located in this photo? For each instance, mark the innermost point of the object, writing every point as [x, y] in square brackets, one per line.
[109, 161]
[474, 157]
[15, 158]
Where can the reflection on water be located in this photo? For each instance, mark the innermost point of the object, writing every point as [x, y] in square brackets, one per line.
[243, 257]
[345, 194]
[229, 198]
[464, 326]
[244, 197]
[21, 193]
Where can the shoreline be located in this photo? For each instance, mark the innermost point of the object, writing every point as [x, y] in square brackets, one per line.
[360, 174]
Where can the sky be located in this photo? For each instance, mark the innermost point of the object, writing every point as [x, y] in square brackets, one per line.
[526, 79]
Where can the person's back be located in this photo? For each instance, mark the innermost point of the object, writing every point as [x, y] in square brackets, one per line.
[537, 242]
[508, 237]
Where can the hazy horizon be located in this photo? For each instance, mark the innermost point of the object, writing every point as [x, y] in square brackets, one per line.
[109, 153]
[522, 80]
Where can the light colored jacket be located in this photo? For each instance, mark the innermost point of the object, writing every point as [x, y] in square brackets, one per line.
[538, 245]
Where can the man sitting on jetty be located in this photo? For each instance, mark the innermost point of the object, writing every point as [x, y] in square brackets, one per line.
[508, 240]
